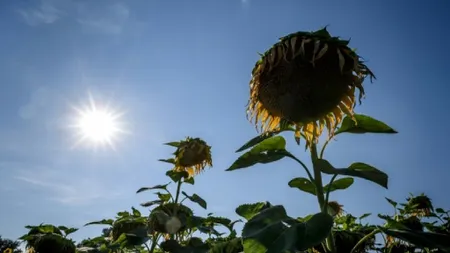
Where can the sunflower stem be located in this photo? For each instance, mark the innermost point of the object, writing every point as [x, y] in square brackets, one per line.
[178, 192]
[330, 247]
[177, 196]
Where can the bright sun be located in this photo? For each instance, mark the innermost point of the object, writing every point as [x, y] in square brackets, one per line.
[96, 125]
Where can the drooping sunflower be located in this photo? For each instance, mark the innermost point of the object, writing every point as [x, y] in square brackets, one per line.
[419, 205]
[335, 209]
[192, 155]
[309, 80]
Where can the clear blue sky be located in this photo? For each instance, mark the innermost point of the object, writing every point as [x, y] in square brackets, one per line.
[178, 69]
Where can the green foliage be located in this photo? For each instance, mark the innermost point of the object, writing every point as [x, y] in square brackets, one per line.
[340, 184]
[364, 124]
[170, 226]
[303, 184]
[272, 231]
[267, 151]
[247, 211]
[360, 170]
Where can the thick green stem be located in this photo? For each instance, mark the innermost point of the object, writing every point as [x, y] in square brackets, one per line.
[177, 196]
[178, 191]
[320, 194]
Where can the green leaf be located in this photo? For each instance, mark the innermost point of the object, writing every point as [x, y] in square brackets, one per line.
[440, 210]
[195, 198]
[258, 139]
[189, 180]
[360, 170]
[159, 187]
[272, 231]
[421, 239]
[163, 196]
[176, 176]
[102, 222]
[170, 160]
[303, 184]
[247, 211]
[393, 203]
[269, 150]
[218, 220]
[364, 124]
[151, 203]
[136, 212]
[364, 216]
[339, 184]
[173, 144]
[67, 231]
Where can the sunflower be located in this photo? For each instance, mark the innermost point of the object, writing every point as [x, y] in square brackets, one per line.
[420, 205]
[308, 80]
[192, 155]
[335, 209]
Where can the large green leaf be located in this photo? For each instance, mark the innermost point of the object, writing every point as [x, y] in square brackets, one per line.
[273, 231]
[269, 150]
[160, 187]
[195, 198]
[364, 124]
[262, 137]
[303, 184]
[421, 239]
[247, 211]
[176, 176]
[339, 184]
[360, 170]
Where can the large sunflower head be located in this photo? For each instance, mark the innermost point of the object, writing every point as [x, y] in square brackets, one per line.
[192, 155]
[307, 79]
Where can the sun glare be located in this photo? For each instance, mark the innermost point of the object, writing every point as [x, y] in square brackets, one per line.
[96, 125]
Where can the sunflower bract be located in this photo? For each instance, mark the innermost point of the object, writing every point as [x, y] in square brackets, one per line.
[308, 79]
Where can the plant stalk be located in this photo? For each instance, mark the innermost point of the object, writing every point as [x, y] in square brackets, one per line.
[178, 191]
[177, 196]
[320, 194]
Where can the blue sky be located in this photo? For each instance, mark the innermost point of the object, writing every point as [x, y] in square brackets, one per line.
[179, 69]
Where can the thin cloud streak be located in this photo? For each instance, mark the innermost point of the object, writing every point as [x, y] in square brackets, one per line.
[46, 13]
[82, 191]
[112, 21]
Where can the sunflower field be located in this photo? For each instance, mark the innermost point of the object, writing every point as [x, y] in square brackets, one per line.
[306, 84]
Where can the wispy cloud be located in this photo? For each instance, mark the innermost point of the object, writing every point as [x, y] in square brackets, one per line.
[111, 20]
[67, 190]
[45, 13]
[39, 99]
